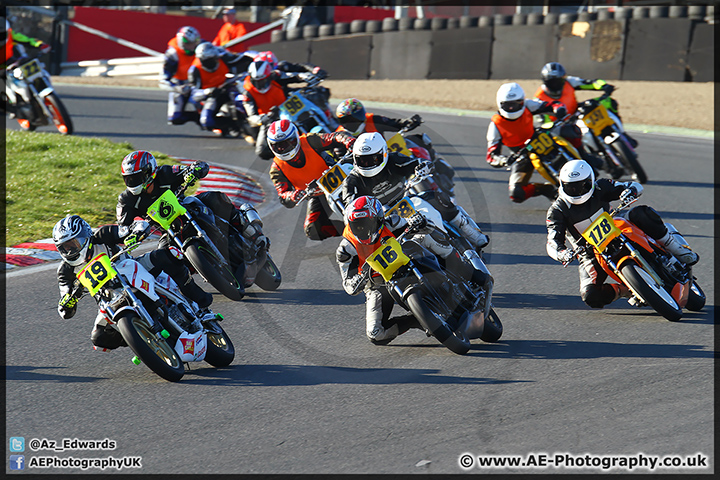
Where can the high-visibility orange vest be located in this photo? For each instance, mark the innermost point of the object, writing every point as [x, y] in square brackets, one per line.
[567, 97]
[211, 79]
[362, 249]
[8, 45]
[265, 101]
[514, 133]
[184, 60]
[300, 176]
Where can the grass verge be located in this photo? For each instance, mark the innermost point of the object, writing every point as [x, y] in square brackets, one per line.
[49, 176]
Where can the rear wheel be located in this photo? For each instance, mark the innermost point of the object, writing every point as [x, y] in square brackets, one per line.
[61, 117]
[652, 293]
[630, 160]
[154, 352]
[220, 349]
[696, 298]
[268, 278]
[492, 329]
[215, 270]
[432, 321]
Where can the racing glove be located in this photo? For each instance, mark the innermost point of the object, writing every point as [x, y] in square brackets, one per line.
[559, 111]
[628, 195]
[140, 230]
[565, 256]
[320, 73]
[498, 161]
[67, 306]
[197, 169]
[44, 48]
[416, 222]
[609, 89]
[424, 169]
[355, 284]
[412, 122]
[298, 195]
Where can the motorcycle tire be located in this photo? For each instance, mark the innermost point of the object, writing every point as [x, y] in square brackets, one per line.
[696, 298]
[492, 328]
[154, 352]
[220, 349]
[269, 277]
[652, 293]
[215, 270]
[61, 117]
[435, 325]
[630, 160]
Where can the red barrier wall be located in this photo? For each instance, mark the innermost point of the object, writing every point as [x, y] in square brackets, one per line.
[150, 30]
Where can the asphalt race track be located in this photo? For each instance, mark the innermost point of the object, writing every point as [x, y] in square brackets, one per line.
[308, 393]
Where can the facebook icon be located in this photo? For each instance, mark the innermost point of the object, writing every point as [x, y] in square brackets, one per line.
[17, 462]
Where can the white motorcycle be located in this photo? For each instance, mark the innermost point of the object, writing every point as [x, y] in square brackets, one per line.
[162, 327]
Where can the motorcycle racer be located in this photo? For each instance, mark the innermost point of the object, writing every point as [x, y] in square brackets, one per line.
[558, 86]
[207, 72]
[383, 174]
[352, 117]
[77, 244]
[582, 197]
[179, 55]
[266, 88]
[146, 181]
[300, 159]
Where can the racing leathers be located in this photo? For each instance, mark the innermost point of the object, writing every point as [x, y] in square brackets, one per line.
[174, 78]
[513, 134]
[261, 107]
[105, 240]
[566, 222]
[205, 83]
[15, 54]
[291, 179]
[170, 177]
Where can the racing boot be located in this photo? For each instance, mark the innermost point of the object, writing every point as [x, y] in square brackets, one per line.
[621, 291]
[676, 244]
[193, 291]
[470, 230]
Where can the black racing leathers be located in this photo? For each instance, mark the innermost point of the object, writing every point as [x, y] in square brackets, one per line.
[388, 186]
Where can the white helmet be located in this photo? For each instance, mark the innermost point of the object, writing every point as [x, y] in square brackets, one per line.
[283, 139]
[510, 100]
[71, 236]
[577, 182]
[370, 154]
[209, 56]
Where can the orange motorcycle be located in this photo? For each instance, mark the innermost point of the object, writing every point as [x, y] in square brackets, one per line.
[653, 275]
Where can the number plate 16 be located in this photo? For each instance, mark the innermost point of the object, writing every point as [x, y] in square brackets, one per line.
[96, 273]
[601, 231]
[388, 258]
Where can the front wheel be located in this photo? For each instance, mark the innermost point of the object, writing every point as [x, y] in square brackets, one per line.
[696, 298]
[492, 328]
[153, 351]
[433, 322]
[215, 270]
[268, 278]
[630, 160]
[652, 293]
[60, 115]
[220, 349]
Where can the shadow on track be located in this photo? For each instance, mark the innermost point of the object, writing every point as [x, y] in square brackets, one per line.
[306, 375]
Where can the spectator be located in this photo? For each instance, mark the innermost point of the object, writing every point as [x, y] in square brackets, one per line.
[231, 29]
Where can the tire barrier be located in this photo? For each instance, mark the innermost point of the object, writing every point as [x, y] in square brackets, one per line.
[466, 57]
[521, 51]
[657, 49]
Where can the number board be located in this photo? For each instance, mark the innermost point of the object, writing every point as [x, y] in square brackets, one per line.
[397, 144]
[31, 69]
[96, 273]
[404, 208]
[388, 258]
[601, 231]
[166, 209]
[332, 179]
[597, 119]
[293, 105]
[542, 144]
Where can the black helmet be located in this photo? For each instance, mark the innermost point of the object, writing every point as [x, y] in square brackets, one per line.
[553, 75]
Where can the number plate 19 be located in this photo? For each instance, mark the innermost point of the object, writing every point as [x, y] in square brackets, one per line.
[96, 273]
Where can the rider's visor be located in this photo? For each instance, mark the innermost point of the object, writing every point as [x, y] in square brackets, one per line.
[135, 179]
[365, 229]
[512, 105]
[577, 189]
[284, 146]
[209, 63]
[70, 249]
[261, 83]
[555, 85]
[369, 161]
